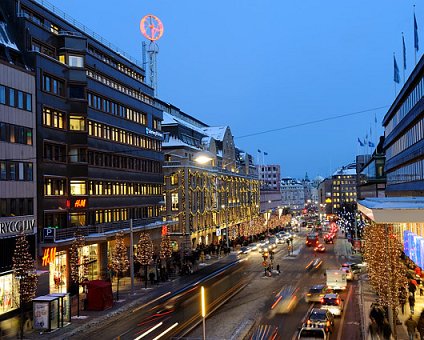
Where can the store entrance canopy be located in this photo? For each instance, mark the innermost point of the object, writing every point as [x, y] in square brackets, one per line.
[393, 209]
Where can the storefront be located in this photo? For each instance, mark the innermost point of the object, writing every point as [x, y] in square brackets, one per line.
[9, 296]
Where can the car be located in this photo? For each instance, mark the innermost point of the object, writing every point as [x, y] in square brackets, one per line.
[316, 293]
[349, 273]
[244, 250]
[263, 248]
[307, 332]
[265, 332]
[319, 317]
[320, 248]
[253, 246]
[329, 238]
[286, 299]
[333, 303]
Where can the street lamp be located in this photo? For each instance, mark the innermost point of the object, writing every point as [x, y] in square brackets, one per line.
[226, 225]
[203, 305]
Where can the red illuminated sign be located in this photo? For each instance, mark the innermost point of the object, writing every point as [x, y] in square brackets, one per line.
[80, 203]
[164, 230]
[49, 255]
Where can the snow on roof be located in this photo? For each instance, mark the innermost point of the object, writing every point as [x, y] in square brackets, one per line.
[344, 172]
[174, 142]
[393, 203]
[4, 37]
[216, 132]
[169, 119]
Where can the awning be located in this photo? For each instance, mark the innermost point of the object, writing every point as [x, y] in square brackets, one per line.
[393, 209]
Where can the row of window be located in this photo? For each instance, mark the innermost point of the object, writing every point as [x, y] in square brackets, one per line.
[58, 120]
[344, 200]
[105, 188]
[115, 64]
[53, 85]
[109, 106]
[413, 98]
[410, 137]
[16, 207]
[337, 194]
[40, 47]
[60, 219]
[72, 60]
[408, 173]
[11, 133]
[122, 88]
[16, 171]
[57, 186]
[108, 160]
[107, 132]
[15, 98]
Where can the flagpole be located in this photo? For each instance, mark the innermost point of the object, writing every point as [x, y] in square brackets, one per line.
[404, 58]
[415, 39]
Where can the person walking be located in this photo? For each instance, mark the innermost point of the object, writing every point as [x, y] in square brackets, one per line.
[402, 302]
[411, 326]
[420, 325]
[278, 268]
[387, 330]
[373, 329]
[411, 300]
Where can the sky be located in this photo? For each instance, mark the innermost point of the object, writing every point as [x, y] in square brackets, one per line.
[260, 65]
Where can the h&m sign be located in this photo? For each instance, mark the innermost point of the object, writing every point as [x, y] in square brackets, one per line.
[12, 226]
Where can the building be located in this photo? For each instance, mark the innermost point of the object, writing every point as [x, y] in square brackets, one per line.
[99, 139]
[209, 190]
[371, 176]
[269, 175]
[17, 162]
[404, 142]
[292, 193]
[325, 199]
[344, 188]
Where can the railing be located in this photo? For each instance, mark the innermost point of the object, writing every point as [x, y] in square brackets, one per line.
[87, 31]
[102, 230]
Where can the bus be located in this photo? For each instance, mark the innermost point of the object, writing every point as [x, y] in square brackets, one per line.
[312, 240]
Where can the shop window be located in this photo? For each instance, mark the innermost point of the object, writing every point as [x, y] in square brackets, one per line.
[9, 296]
[76, 123]
[78, 187]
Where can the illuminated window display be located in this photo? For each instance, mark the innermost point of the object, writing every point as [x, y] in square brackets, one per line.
[8, 295]
[90, 253]
[58, 273]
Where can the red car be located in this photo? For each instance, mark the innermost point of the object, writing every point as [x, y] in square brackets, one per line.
[320, 248]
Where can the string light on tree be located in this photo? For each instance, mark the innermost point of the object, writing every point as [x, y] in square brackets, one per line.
[119, 261]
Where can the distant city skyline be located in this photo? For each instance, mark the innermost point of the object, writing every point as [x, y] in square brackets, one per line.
[274, 66]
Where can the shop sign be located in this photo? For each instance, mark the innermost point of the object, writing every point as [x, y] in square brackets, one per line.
[164, 230]
[49, 255]
[81, 203]
[154, 133]
[12, 226]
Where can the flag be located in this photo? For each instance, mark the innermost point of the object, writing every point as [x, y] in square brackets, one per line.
[416, 45]
[375, 119]
[265, 153]
[360, 142]
[259, 151]
[404, 52]
[371, 144]
[396, 78]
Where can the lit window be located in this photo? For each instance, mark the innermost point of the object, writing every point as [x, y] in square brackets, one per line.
[78, 187]
[77, 123]
[62, 58]
[76, 61]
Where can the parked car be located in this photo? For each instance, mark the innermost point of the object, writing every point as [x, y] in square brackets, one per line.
[333, 303]
[319, 317]
[316, 293]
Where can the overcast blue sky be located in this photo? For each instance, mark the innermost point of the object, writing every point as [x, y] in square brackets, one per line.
[258, 65]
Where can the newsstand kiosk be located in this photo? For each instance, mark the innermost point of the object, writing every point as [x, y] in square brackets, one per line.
[64, 308]
[46, 313]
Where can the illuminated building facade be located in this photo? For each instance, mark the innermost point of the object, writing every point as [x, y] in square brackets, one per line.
[206, 199]
[344, 187]
[99, 139]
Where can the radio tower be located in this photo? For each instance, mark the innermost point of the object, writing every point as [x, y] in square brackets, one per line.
[152, 29]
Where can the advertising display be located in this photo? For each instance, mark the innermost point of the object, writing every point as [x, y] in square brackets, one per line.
[413, 246]
[41, 315]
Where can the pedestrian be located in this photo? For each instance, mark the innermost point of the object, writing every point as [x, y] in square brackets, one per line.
[278, 268]
[387, 330]
[411, 326]
[152, 278]
[402, 299]
[373, 329]
[411, 300]
[420, 325]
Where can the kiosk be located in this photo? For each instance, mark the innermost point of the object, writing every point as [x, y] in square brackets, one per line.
[46, 313]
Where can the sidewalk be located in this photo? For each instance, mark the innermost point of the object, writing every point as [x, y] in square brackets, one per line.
[367, 296]
[127, 301]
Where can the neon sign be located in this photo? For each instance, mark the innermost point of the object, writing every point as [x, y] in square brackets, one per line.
[49, 255]
[80, 203]
[151, 27]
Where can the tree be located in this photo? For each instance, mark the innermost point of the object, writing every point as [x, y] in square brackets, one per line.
[144, 252]
[78, 263]
[166, 249]
[25, 275]
[120, 262]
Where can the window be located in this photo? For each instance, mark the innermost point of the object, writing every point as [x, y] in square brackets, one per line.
[28, 102]
[174, 200]
[53, 118]
[53, 85]
[62, 58]
[77, 155]
[78, 187]
[55, 152]
[11, 97]
[2, 94]
[54, 29]
[77, 91]
[76, 123]
[76, 61]
[54, 186]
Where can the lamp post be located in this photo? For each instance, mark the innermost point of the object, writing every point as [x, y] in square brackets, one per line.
[203, 307]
